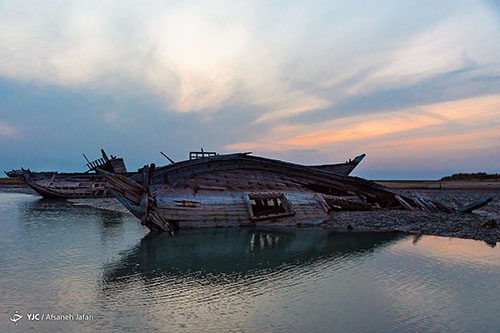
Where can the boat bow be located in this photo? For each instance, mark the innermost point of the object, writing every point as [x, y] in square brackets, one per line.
[137, 199]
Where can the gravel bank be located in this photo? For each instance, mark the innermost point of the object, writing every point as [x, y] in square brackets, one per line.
[484, 224]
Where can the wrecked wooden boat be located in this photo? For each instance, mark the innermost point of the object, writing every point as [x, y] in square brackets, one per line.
[245, 190]
[13, 173]
[87, 184]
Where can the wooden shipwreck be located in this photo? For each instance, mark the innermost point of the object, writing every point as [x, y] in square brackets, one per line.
[87, 184]
[245, 190]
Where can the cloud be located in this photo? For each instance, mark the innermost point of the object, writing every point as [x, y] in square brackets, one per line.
[199, 56]
[427, 136]
[446, 46]
[449, 86]
[290, 78]
[7, 130]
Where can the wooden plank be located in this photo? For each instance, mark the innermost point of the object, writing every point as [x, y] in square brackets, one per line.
[403, 202]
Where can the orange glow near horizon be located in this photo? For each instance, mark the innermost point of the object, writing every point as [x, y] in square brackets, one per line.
[362, 130]
[472, 121]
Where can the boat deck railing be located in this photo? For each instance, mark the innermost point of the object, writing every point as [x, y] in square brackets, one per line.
[96, 163]
[194, 155]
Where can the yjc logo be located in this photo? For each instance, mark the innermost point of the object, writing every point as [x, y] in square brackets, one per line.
[16, 317]
[33, 316]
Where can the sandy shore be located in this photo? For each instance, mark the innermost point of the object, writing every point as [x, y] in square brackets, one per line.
[484, 224]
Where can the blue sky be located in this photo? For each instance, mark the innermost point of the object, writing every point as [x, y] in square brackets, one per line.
[413, 84]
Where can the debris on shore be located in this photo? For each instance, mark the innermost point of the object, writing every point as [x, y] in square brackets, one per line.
[481, 225]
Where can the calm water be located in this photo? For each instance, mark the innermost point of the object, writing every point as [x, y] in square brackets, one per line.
[65, 258]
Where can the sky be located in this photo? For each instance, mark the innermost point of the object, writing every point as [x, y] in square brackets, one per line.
[413, 84]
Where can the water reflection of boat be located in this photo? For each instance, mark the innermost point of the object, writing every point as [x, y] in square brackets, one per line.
[42, 213]
[237, 251]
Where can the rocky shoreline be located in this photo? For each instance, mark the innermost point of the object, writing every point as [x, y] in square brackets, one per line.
[469, 226]
[484, 224]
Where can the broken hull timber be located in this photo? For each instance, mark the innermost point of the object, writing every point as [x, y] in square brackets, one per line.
[242, 190]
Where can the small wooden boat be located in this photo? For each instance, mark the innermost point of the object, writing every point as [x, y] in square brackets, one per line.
[74, 185]
[244, 190]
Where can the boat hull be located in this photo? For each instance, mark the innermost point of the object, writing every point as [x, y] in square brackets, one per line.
[67, 185]
[209, 210]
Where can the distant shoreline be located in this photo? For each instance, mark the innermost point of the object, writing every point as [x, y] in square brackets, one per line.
[10, 181]
[438, 184]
